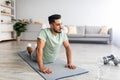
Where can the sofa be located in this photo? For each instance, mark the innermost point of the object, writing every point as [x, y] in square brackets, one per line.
[89, 33]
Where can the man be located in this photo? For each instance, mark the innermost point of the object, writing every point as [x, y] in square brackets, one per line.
[48, 44]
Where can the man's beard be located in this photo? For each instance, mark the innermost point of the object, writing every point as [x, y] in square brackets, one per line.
[56, 31]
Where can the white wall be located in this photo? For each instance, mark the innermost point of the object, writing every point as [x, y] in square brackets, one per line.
[74, 12]
[115, 20]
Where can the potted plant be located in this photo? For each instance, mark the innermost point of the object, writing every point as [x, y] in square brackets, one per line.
[19, 27]
[7, 2]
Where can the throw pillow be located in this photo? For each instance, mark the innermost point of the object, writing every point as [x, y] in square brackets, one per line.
[104, 30]
[72, 30]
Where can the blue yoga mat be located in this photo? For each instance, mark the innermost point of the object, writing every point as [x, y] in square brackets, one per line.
[59, 71]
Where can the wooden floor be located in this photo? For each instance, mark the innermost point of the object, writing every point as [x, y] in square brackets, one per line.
[85, 55]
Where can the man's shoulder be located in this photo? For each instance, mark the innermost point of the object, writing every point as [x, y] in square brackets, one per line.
[43, 33]
[45, 30]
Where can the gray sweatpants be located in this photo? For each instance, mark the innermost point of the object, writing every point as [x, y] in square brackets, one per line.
[33, 55]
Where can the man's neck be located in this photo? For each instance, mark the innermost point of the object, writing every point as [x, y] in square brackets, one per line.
[54, 33]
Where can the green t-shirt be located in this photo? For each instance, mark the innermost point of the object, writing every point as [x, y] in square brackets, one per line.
[52, 44]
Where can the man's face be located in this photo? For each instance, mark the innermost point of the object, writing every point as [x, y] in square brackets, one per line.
[57, 26]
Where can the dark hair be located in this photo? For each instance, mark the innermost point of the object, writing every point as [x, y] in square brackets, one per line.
[52, 18]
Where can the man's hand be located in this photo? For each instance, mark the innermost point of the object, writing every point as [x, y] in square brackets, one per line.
[46, 70]
[70, 66]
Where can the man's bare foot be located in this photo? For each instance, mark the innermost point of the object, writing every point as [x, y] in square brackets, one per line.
[30, 50]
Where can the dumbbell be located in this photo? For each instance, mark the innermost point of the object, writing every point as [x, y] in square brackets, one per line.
[108, 58]
[116, 61]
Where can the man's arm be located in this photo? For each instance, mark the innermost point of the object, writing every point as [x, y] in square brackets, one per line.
[39, 55]
[69, 55]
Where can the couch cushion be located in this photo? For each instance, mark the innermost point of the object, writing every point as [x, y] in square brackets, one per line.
[81, 30]
[65, 29]
[97, 35]
[75, 36]
[92, 29]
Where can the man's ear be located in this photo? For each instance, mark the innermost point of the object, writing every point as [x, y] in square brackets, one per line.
[51, 25]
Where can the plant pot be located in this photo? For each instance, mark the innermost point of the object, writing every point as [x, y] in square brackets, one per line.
[18, 38]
